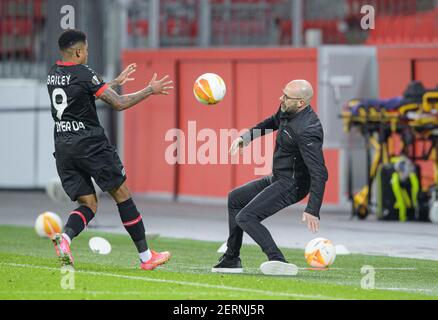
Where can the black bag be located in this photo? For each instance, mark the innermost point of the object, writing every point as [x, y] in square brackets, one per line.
[423, 206]
[391, 195]
[414, 92]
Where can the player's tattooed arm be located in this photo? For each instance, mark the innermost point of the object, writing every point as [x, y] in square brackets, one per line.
[123, 77]
[113, 84]
[123, 102]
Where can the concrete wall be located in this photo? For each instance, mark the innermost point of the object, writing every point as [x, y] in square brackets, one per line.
[26, 137]
[254, 79]
[26, 134]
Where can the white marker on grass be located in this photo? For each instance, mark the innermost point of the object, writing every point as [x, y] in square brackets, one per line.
[223, 248]
[99, 245]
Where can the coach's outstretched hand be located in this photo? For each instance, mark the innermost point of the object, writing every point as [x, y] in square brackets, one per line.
[312, 222]
[161, 86]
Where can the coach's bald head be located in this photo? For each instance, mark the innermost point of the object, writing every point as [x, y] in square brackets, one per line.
[297, 95]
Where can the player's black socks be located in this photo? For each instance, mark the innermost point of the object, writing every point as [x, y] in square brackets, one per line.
[78, 220]
[133, 223]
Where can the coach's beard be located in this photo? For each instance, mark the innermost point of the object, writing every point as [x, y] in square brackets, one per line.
[290, 110]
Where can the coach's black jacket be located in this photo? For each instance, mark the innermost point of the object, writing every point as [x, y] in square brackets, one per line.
[298, 151]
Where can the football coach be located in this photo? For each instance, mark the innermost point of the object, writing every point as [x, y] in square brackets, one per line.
[298, 169]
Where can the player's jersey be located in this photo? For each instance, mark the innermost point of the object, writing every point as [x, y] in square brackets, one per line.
[72, 89]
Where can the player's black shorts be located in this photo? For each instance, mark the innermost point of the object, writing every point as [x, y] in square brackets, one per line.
[76, 172]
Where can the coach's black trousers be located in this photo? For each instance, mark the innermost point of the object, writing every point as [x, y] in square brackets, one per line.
[255, 201]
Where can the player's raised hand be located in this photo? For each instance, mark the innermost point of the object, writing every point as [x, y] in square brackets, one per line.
[161, 86]
[237, 144]
[124, 76]
[312, 222]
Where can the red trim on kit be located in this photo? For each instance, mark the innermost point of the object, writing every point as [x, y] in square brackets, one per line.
[81, 215]
[101, 90]
[132, 222]
[66, 63]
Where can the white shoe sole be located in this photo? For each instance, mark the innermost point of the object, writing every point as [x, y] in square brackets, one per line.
[278, 268]
[227, 270]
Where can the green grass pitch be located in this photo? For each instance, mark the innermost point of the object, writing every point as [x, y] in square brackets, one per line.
[29, 270]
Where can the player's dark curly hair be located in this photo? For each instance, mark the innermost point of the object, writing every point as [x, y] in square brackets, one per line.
[70, 37]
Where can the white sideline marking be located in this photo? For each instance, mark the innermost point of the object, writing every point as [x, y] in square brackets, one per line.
[68, 292]
[389, 268]
[199, 267]
[195, 284]
[401, 268]
[405, 289]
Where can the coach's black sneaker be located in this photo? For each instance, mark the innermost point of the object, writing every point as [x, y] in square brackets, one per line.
[228, 264]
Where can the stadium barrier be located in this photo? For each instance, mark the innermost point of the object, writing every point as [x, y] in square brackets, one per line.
[254, 79]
